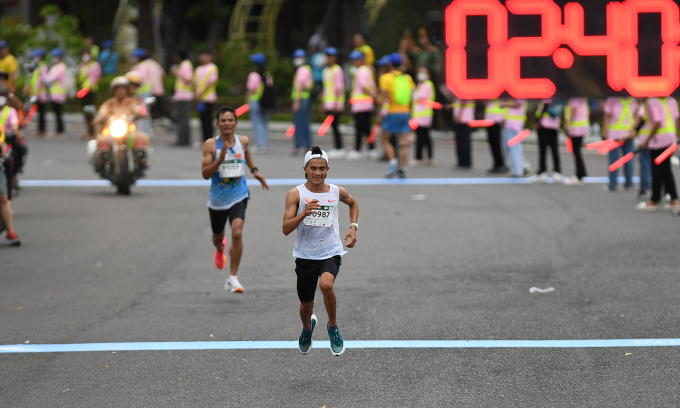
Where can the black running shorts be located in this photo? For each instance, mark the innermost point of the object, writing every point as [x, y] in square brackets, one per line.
[218, 218]
[308, 272]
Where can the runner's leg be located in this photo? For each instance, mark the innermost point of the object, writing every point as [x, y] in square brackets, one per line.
[306, 309]
[236, 249]
[326, 286]
[387, 145]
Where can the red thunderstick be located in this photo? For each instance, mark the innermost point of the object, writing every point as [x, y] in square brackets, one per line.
[242, 109]
[666, 154]
[325, 125]
[519, 138]
[620, 162]
[81, 94]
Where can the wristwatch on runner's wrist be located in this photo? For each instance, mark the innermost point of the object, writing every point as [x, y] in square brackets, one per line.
[355, 225]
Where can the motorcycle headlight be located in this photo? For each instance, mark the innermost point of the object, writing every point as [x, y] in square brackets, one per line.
[118, 128]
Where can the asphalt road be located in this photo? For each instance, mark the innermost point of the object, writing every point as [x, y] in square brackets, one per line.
[454, 264]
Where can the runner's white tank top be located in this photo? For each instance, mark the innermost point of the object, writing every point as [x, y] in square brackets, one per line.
[317, 238]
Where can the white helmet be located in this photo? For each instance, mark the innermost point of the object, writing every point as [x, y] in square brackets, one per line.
[134, 77]
[119, 81]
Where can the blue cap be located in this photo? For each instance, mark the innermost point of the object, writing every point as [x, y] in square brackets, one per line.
[383, 61]
[3, 44]
[107, 44]
[299, 53]
[331, 51]
[356, 55]
[38, 52]
[57, 52]
[395, 59]
[258, 59]
[139, 52]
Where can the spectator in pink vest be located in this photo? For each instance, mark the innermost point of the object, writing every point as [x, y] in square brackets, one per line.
[463, 113]
[362, 100]
[184, 96]
[548, 127]
[205, 94]
[577, 118]
[57, 79]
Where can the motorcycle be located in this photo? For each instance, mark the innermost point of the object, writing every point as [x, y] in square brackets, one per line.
[120, 156]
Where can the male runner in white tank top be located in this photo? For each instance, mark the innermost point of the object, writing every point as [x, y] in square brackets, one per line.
[312, 209]
[224, 160]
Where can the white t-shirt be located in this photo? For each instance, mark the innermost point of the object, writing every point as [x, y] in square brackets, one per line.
[318, 236]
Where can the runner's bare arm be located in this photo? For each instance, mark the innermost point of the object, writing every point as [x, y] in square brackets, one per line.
[346, 198]
[249, 161]
[210, 166]
[290, 220]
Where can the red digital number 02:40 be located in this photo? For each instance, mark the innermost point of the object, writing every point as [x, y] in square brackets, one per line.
[619, 46]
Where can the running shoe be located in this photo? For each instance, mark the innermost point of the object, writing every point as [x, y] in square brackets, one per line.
[12, 240]
[354, 155]
[221, 257]
[539, 178]
[401, 173]
[337, 344]
[374, 154]
[392, 171]
[305, 341]
[233, 284]
[558, 177]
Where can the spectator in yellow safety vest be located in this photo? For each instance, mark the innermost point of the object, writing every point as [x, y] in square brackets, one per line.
[36, 86]
[333, 98]
[258, 81]
[303, 83]
[89, 74]
[362, 102]
[184, 95]
[57, 78]
[495, 113]
[422, 115]
[205, 91]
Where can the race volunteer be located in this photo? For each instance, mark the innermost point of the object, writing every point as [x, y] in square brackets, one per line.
[318, 249]
[619, 119]
[658, 134]
[333, 98]
[224, 157]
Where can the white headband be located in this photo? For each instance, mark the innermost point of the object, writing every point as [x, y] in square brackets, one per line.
[309, 156]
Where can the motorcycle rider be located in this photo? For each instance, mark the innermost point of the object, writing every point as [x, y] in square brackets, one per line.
[120, 104]
[9, 123]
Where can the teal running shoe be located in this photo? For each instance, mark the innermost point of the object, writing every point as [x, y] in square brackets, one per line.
[337, 344]
[305, 341]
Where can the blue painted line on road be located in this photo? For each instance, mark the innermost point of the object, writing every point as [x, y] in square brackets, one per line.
[350, 344]
[294, 182]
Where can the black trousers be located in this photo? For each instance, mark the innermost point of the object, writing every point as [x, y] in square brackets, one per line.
[548, 138]
[58, 109]
[576, 143]
[362, 126]
[42, 111]
[337, 136]
[160, 108]
[494, 139]
[423, 140]
[207, 120]
[463, 150]
[89, 99]
[662, 177]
